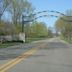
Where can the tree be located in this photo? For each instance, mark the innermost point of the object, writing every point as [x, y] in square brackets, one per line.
[3, 6]
[6, 28]
[65, 26]
[39, 29]
[50, 33]
[19, 8]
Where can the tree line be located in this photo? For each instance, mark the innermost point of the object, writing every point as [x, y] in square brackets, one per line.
[64, 28]
[13, 25]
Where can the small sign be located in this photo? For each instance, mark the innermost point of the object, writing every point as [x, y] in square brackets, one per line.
[22, 37]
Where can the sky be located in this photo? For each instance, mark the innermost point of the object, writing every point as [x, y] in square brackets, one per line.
[55, 5]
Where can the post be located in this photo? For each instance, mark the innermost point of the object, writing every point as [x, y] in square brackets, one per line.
[23, 23]
[22, 34]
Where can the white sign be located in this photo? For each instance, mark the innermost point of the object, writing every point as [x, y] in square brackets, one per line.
[22, 37]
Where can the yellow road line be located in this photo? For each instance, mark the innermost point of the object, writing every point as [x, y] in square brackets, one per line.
[18, 60]
[15, 61]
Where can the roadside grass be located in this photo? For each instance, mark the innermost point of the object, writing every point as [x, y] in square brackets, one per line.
[12, 43]
[67, 40]
[29, 40]
[7, 44]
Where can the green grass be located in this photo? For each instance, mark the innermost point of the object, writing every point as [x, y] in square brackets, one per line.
[7, 44]
[67, 40]
[28, 40]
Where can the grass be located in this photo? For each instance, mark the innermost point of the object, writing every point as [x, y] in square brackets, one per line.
[28, 40]
[7, 44]
[12, 43]
[67, 40]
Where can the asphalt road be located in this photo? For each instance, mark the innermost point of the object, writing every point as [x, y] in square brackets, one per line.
[52, 55]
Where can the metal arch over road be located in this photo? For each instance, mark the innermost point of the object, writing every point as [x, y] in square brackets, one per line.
[52, 12]
[50, 16]
[61, 14]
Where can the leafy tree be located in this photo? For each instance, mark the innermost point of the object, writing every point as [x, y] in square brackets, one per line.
[39, 29]
[50, 33]
[6, 28]
[65, 26]
[17, 8]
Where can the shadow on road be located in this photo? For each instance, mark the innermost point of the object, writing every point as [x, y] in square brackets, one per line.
[12, 53]
[12, 56]
[55, 45]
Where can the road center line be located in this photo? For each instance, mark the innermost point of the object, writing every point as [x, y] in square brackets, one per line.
[23, 56]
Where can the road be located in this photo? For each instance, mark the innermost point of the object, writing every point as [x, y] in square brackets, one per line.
[52, 55]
